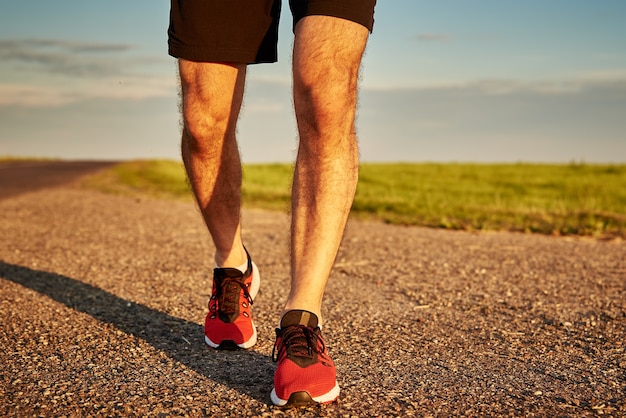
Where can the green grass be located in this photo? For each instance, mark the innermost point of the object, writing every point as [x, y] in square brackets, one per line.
[573, 199]
[267, 186]
[578, 199]
[156, 178]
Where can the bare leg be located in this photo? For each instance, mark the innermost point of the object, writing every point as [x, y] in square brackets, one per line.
[212, 96]
[326, 61]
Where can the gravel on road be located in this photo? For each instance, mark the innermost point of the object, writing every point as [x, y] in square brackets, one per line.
[102, 300]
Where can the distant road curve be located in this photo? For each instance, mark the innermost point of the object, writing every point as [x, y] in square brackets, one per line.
[17, 177]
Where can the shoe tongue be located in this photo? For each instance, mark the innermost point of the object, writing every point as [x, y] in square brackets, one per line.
[299, 317]
[233, 273]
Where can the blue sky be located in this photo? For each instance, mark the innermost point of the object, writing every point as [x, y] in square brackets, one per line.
[484, 81]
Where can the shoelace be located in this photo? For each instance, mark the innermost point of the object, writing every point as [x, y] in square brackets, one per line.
[299, 341]
[227, 294]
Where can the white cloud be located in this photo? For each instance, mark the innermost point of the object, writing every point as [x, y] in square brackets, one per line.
[51, 73]
[33, 96]
[603, 76]
[579, 117]
[436, 37]
[121, 88]
[68, 58]
[76, 46]
[137, 87]
[262, 105]
[571, 84]
[278, 80]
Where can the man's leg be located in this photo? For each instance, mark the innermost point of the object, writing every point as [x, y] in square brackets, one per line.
[212, 94]
[327, 56]
[326, 61]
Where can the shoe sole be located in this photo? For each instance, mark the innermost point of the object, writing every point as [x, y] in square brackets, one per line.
[230, 344]
[300, 399]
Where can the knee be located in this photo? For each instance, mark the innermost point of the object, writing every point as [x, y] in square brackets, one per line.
[326, 100]
[205, 124]
[325, 95]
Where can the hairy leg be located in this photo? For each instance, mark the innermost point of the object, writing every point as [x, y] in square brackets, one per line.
[326, 60]
[212, 95]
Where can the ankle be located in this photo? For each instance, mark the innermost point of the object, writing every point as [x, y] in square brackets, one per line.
[231, 258]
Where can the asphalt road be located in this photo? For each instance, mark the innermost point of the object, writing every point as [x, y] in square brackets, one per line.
[17, 177]
[102, 300]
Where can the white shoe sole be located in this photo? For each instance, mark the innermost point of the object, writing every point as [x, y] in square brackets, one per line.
[326, 398]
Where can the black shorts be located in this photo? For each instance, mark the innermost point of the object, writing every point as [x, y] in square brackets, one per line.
[246, 31]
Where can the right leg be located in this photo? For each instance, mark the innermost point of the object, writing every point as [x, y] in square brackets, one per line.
[212, 94]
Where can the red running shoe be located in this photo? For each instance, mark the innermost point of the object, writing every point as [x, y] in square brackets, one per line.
[305, 373]
[228, 325]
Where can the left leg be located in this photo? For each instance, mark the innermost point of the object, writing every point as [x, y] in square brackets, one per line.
[326, 61]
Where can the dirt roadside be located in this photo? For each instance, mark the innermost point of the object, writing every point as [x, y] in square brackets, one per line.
[102, 300]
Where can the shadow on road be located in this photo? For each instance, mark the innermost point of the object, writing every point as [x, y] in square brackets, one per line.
[245, 371]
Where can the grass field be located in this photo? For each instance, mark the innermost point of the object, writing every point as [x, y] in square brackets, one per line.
[569, 199]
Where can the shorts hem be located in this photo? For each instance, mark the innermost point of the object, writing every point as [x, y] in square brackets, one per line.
[362, 16]
[205, 54]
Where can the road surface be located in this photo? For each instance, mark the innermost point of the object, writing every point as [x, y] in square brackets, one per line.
[17, 177]
[102, 300]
